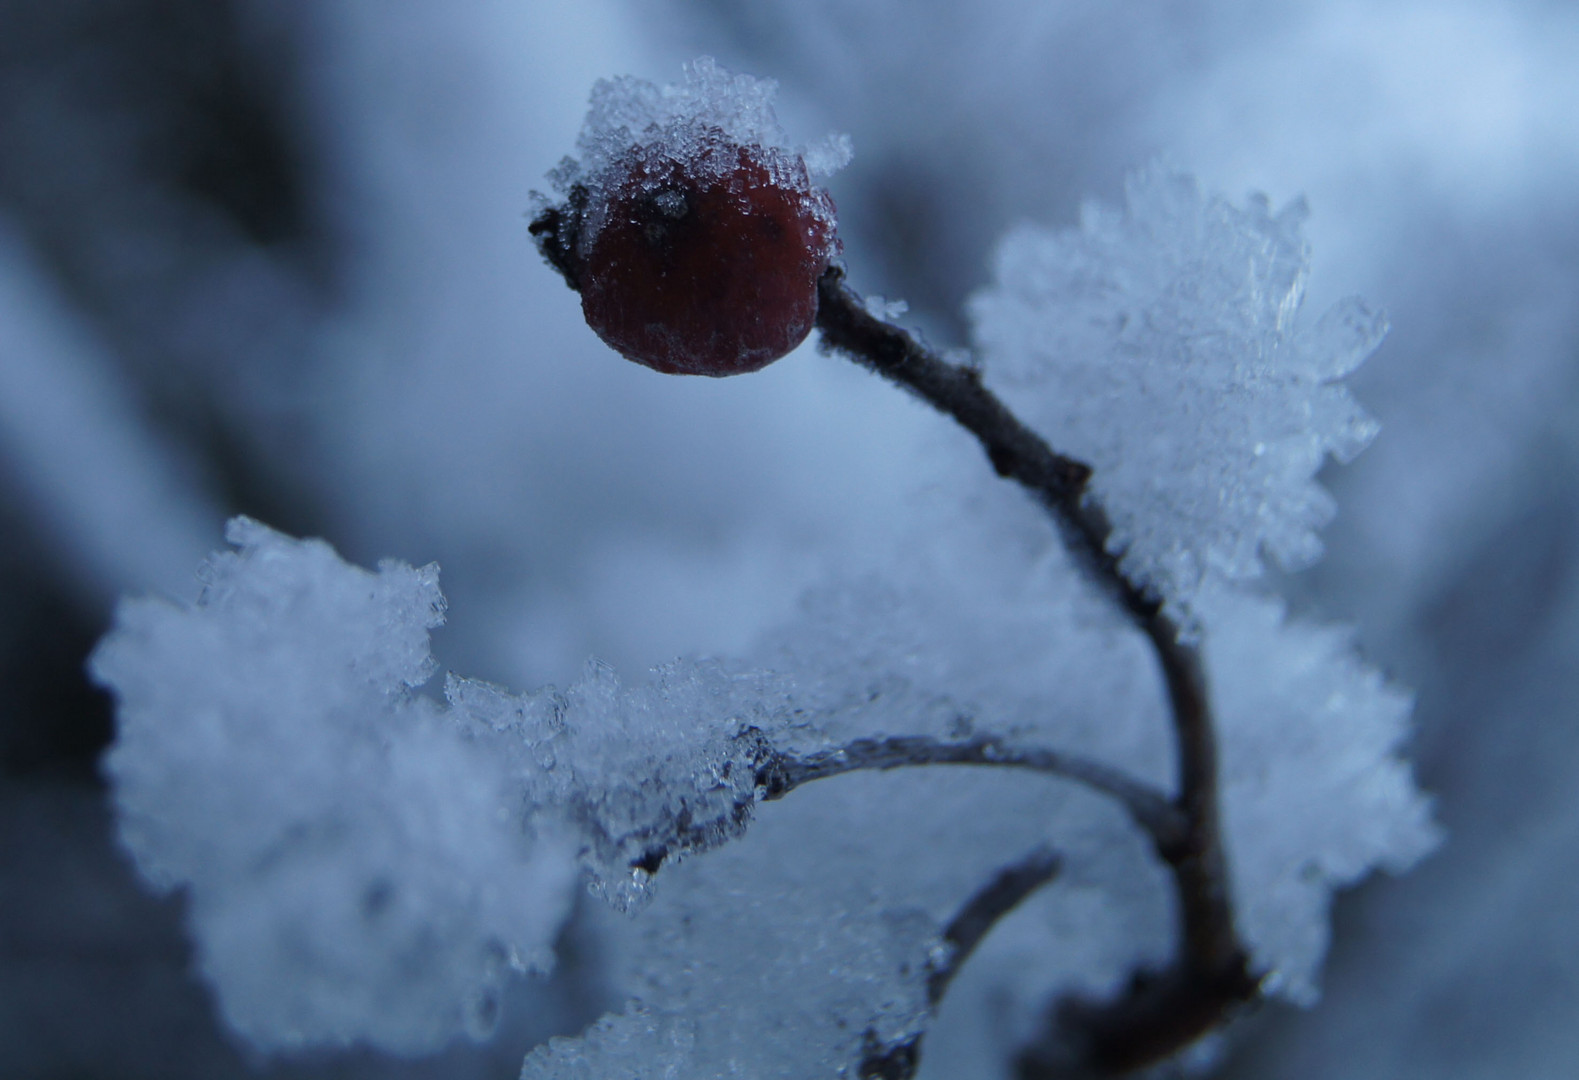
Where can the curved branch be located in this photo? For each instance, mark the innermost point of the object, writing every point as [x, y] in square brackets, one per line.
[1005, 892]
[1210, 973]
[1148, 807]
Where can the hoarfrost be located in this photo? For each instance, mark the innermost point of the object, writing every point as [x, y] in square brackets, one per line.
[1314, 791]
[641, 775]
[1161, 343]
[777, 955]
[632, 1045]
[700, 123]
[363, 862]
[353, 866]
[627, 110]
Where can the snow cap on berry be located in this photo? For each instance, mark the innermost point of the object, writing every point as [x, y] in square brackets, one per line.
[627, 111]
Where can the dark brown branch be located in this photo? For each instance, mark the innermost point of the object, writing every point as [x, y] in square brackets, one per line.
[983, 911]
[1016, 452]
[1150, 808]
[1210, 973]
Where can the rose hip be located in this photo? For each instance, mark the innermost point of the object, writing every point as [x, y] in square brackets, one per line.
[704, 262]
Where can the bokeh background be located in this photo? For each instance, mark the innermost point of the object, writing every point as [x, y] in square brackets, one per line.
[271, 258]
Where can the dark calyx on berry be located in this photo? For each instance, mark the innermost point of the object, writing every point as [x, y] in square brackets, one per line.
[703, 262]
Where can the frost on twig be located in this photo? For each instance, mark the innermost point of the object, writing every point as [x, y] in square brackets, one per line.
[1201, 300]
[639, 775]
[273, 759]
[1164, 344]
[1209, 972]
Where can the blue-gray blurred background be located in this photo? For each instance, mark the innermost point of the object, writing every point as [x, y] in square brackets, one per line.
[270, 258]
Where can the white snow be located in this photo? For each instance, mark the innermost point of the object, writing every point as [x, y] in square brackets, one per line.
[737, 107]
[354, 866]
[699, 122]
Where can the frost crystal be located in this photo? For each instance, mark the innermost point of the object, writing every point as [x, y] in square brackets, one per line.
[1162, 345]
[627, 110]
[701, 125]
[364, 863]
[633, 1045]
[354, 868]
[641, 775]
[1314, 791]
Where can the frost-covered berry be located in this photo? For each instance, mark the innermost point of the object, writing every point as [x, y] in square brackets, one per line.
[699, 254]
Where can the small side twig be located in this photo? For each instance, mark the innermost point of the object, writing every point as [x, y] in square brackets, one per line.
[1005, 892]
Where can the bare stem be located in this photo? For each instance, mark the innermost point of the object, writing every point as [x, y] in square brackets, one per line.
[1001, 895]
[1209, 976]
[1150, 809]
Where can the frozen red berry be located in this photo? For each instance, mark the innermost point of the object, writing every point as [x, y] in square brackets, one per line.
[700, 256]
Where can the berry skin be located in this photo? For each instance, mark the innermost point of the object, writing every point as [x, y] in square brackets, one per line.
[704, 262]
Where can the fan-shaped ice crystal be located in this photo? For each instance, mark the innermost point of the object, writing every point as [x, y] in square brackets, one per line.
[1162, 344]
[363, 862]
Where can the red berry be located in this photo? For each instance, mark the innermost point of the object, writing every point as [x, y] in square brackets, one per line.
[700, 256]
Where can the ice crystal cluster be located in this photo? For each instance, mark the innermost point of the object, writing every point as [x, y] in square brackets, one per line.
[354, 868]
[639, 775]
[364, 861]
[682, 121]
[1315, 793]
[1163, 344]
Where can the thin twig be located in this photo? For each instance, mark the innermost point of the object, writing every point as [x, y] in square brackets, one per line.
[1005, 892]
[1153, 811]
[983, 911]
[1210, 973]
